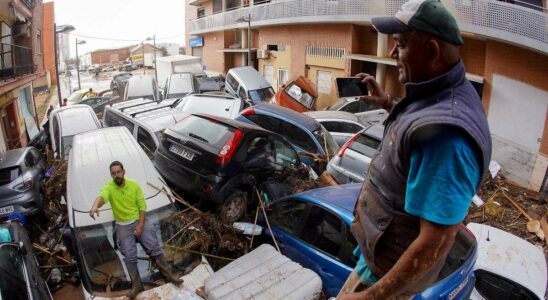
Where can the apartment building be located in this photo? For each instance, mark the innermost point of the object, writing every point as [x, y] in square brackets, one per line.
[505, 54]
[21, 65]
[114, 56]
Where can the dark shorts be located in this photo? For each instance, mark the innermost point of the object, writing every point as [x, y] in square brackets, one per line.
[127, 241]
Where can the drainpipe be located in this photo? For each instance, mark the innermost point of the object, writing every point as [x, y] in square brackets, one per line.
[382, 49]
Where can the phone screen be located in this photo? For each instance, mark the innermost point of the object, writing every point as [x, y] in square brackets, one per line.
[351, 87]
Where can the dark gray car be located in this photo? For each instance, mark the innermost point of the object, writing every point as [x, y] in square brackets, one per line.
[21, 187]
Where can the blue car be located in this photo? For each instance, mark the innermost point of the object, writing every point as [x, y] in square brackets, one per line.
[313, 229]
[303, 132]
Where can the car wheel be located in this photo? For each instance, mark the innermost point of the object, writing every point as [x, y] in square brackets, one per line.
[234, 207]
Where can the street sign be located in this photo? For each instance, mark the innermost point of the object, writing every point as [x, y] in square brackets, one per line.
[196, 42]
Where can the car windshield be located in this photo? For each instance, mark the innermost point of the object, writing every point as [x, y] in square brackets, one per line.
[9, 174]
[300, 95]
[103, 265]
[209, 132]
[326, 140]
[337, 105]
[261, 94]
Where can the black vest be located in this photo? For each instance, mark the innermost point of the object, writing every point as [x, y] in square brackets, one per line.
[381, 226]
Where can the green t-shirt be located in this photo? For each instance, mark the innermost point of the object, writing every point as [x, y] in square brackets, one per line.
[126, 202]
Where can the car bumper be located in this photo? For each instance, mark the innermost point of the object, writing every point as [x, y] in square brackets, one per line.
[185, 179]
[28, 203]
[341, 175]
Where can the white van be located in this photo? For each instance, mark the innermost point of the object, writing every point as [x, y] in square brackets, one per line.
[248, 84]
[145, 122]
[66, 122]
[141, 86]
[100, 263]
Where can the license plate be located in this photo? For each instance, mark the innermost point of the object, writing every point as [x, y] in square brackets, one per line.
[181, 152]
[6, 210]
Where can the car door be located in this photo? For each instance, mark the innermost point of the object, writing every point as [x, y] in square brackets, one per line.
[146, 141]
[328, 248]
[287, 220]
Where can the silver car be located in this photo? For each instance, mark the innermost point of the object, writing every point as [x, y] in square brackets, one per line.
[366, 111]
[340, 124]
[352, 161]
[21, 187]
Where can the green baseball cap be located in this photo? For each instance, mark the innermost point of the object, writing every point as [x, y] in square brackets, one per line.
[425, 15]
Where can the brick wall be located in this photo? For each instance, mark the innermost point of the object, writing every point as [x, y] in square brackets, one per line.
[48, 10]
[104, 56]
[213, 60]
[473, 55]
[37, 27]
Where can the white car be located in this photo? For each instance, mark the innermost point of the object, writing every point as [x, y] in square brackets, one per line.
[364, 110]
[68, 121]
[215, 105]
[340, 124]
[100, 264]
[507, 266]
[141, 86]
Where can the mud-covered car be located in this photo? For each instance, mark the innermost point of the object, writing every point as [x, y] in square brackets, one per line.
[21, 187]
[220, 161]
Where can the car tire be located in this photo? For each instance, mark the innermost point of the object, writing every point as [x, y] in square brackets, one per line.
[234, 207]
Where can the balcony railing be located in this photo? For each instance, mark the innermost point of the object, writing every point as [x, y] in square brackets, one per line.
[15, 61]
[489, 18]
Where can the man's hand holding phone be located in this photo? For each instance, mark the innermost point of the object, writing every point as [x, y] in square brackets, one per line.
[376, 93]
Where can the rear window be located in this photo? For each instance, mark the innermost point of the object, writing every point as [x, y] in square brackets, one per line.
[204, 130]
[180, 86]
[365, 145]
[8, 175]
[262, 94]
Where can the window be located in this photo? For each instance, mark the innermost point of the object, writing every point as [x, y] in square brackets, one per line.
[279, 48]
[56, 137]
[259, 154]
[146, 141]
[285, 154]
[212, 133]
[29, 160]
[242, 94]
[264, 94]
[37, 156]
[283, 77]
[39, 41]
[289, 215]
[112, 120]
[300, 95]
[6, 61]
[217, 6]
[365, 145]
[292, 133]
[200, 12]
[232, 83]
[324, 82]
[326, 232]
[344, 127]
[12, 279]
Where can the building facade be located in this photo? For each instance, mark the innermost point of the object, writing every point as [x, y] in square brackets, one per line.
[105, 57]
[505, 54]
[170, 48]
[48, 22]
[21, 67]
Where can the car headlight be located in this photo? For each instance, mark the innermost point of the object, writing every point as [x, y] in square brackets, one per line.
[25, 185]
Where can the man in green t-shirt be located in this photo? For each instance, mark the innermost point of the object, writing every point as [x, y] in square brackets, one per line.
[129, 208]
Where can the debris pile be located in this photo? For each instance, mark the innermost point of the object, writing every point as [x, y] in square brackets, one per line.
[512, 208]
[50, 231]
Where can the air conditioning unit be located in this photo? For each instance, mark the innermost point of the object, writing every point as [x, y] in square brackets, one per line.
[262, 54]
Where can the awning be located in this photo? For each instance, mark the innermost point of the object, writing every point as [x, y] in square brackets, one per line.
[392, 62]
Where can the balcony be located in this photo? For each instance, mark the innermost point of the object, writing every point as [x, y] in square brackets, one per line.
[489, 18]
[15, 61]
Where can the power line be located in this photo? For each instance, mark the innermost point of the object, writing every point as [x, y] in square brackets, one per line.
[117, 39]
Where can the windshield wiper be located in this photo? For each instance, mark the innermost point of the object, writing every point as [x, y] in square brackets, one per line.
[198, 137]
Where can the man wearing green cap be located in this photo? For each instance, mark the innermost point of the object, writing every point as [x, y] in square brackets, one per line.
[435, 150]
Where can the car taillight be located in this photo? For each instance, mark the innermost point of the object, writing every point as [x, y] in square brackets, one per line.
[229, 147]
[347, 144]
[248, 111]
[25, 185]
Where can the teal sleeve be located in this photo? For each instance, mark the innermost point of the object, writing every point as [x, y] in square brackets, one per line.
[443, 175]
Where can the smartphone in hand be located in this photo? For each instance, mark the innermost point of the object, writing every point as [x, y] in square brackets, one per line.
[351, 87]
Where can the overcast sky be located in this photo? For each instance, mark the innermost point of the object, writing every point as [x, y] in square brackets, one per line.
[119, 20]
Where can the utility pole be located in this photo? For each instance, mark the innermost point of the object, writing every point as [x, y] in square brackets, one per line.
[78, 65]
[57, 64]
[155, 71]
[144, 68]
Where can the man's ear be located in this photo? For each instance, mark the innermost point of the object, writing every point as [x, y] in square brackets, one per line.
[434, 52]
